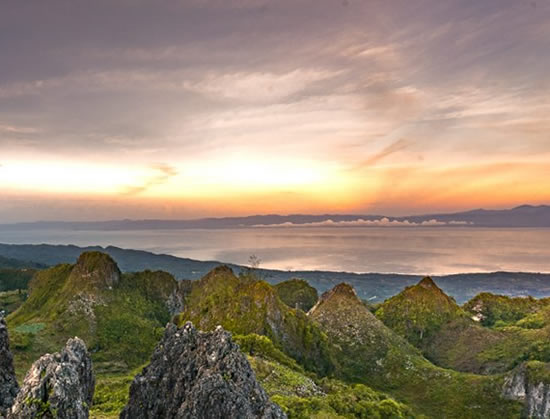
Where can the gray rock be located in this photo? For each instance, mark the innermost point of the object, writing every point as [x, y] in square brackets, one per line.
[534, 394]
[59, 385]
[196, 375]
[8, 383]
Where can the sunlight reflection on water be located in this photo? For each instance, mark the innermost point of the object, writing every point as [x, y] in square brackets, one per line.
[402, 250]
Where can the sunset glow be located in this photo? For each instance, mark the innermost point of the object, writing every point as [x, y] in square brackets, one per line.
[362, 108]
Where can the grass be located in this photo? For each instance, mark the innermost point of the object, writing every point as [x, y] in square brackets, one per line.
[111, 395]
[10, 301]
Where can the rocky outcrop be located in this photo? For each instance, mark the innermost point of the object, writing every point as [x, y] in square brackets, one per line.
[95, 270]
[58, 386]
[197, 375]
[8, 383]
[523, 385]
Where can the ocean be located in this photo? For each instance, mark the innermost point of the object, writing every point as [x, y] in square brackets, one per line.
[413, 250]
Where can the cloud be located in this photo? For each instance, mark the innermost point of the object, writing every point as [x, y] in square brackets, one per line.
[394, 147]
[164, 173]
[13, 129]
[382, 222]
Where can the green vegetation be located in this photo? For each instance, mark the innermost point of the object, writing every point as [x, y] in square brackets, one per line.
[15, 279]
[119, 316]
[305, 395]
[111, 395]
[12, 300]
[246, 305]
[368, 352]
[343, 401]
[338, 361]
[499, 310]
[297, 293]
[419, 312]
[446, 335]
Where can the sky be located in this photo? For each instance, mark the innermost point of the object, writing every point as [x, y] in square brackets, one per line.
[194, 108]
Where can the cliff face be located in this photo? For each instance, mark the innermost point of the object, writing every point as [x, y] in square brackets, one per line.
[59, 385]
[8, 383]
[196, 374]
[528, 385]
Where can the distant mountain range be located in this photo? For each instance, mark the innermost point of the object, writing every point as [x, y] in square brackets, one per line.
[373, 287]
[522, 216]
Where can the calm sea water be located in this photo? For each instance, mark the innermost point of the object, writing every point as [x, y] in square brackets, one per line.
[398, 250]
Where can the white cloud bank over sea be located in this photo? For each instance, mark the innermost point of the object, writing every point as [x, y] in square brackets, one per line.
[360, 222]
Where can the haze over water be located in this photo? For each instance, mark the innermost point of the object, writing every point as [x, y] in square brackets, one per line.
[438, 250]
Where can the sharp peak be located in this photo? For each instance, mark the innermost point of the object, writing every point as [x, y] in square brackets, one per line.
[93, 257]
[341, 290]
[427, 282]
[220, 270]
[97, 268]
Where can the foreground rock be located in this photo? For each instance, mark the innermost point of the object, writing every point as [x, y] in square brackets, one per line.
[57, 386]
[8, 383]
[530, 384]
[196, 375]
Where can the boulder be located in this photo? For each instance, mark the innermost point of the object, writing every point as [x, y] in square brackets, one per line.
[194, 374]
[8, 383]
[57, 386]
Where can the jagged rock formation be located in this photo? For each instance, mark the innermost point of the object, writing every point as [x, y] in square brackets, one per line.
[8, 383]
[57, 386]
[524, 385]
[197, 375]
[95, 270]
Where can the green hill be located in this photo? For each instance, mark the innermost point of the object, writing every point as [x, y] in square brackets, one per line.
[418, 312]
[245, 305]
[371, 353]
[120, 316]
[444, 332]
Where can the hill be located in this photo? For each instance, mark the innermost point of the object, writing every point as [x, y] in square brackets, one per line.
[245, 305]
[419, 311]
[119, 316]
[338, 360]
[444, 332]
[521, 216]
[369, 352]
[372, 287]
